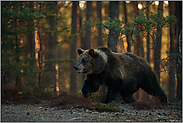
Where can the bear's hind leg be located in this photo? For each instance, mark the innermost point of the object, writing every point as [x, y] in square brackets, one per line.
[127, 96]
[155, 90]
[111, 94]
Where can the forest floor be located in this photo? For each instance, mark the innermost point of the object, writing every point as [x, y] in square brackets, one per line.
[74, 108]
[43, 113]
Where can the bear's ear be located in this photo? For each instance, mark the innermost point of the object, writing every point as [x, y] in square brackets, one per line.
[80, 51]
[91, 52]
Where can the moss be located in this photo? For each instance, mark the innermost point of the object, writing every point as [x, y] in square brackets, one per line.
[110, 107]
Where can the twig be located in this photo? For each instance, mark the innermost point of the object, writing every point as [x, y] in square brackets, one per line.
[142, 30]
[146, 7]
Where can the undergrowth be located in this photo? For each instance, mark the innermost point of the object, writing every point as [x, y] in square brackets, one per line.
[110, 107]
[11, 95]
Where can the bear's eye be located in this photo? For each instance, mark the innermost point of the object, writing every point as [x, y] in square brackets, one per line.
[83, 61]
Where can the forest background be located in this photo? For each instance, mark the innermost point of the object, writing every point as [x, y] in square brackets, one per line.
[39, 41]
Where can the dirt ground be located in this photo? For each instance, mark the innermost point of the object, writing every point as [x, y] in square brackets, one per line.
[18, 107]
[128, 113]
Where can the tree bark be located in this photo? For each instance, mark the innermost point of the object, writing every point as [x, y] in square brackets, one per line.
[80, 27]
[148, 40]
[31, 35]
[40, 51]
[113, 35]
[157, 49]
[127, 37]
[178, 34]
[73, 73]
[30, 43]
[17, 82]
[148, 50]
[52, 43]
[173, 42]
[88, 30]
[100, 36]
[138, 47]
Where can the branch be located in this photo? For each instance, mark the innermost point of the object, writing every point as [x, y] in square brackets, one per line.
[153, 43]
[146, 7]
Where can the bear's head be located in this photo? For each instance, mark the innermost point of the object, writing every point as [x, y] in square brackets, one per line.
[91, 61]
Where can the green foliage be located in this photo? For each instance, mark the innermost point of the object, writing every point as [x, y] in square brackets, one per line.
[45, 93]
[139, 26]
[19, 19]
[172, 60]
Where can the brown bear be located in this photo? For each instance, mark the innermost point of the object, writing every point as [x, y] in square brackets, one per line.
[122, 73]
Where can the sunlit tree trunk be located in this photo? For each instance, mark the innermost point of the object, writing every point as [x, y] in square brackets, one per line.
[73, 76]
[127, 36]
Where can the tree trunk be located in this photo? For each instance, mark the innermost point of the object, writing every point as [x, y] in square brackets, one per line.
[138, 47]
[52, 42]
[127, 37]
[103, 88]
[113, 35]
[148, 50]
[178, 34]
[17, 43]
[148, 39]
[80, 27]
[73, 73]
[88, 30]
[31, 41]
[100, 36]
[157, 49]
[31, 36]
[39, 52]
[173, 42]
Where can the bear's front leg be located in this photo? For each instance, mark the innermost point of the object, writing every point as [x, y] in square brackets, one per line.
[111, 94]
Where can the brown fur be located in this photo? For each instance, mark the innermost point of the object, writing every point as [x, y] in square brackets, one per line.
[122, 73]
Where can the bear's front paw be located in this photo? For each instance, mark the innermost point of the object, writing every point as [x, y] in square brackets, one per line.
[104, 102]
[127, 100]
